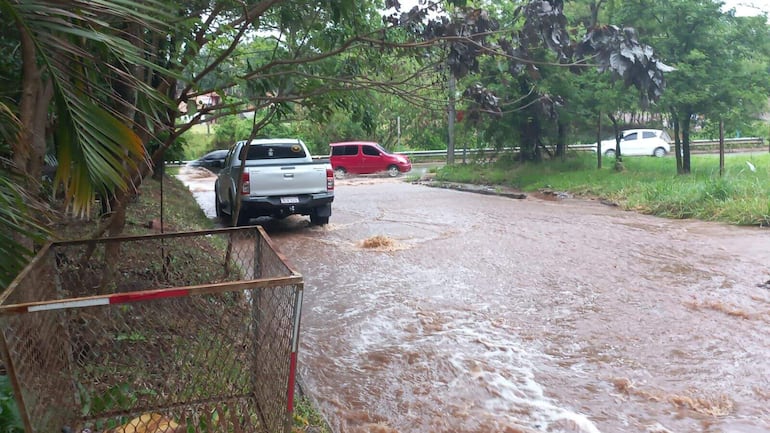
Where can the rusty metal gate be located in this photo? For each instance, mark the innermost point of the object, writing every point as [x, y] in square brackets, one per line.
[185, 332]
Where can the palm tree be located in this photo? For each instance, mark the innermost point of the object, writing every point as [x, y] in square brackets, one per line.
[72, 59]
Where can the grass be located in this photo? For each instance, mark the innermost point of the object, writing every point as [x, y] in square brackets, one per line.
[306, 418]
[647, 185]
[10, 418]
[180, 210]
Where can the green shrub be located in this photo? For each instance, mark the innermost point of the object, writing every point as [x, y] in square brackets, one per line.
[10, 418]
[430, 138]
[198, 141]
[230, 129]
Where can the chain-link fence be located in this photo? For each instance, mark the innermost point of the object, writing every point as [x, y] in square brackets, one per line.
[182, 332]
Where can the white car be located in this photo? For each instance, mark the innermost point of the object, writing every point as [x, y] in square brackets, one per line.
[650, 142]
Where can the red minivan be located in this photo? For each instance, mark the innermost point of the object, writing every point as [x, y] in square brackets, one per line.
[364, 157]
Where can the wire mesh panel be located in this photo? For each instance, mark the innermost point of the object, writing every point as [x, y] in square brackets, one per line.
[184, 332]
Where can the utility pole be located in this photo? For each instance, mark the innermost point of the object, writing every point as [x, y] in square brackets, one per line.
[599, 142]
[721, 147]
[450, 148]
[398, 131]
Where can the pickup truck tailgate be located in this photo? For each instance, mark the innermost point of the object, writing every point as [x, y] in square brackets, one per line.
[283, 180]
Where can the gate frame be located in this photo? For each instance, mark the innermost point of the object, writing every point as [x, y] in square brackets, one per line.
[293, 278]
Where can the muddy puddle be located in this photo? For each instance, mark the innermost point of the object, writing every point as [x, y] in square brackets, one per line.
[502, 315]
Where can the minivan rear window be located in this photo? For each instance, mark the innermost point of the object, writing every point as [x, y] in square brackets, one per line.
[275, 151]
[349, 150]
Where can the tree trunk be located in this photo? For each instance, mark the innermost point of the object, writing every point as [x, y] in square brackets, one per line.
[528, 149]
[677, 142]
[450, 150]
[595, 7]
[616, 132]
[29, 149]
[599, 141]
[30, 85]
[561, 141]
[686, 144]
[721, 147]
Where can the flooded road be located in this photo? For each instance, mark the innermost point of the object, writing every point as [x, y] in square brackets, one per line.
[477, 313]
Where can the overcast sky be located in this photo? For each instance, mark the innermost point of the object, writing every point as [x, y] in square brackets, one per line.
[742, 7]
[748, 7]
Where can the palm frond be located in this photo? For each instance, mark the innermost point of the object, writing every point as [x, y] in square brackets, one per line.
[15, 223]
[9, 123]
[85, 50]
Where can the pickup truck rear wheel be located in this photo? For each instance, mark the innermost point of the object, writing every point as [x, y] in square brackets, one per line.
[243, 217]
[320, 215]
[217, 205]
[319, 220]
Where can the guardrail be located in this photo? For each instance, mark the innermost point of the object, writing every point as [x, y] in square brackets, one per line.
[730, 143]
[695, 144]
[752, 141]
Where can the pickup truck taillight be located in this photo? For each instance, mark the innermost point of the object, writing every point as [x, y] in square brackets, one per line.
[329, 179]
[245, 185]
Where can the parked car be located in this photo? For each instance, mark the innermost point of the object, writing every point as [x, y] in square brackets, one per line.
[650, 142]
[364, 157]
[213, 160]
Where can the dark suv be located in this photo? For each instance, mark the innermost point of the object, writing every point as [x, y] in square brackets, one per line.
[213, 160]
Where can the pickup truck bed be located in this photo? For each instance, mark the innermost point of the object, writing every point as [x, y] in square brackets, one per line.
[277, 178]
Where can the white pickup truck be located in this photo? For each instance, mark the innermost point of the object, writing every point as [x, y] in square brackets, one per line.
[274, 177]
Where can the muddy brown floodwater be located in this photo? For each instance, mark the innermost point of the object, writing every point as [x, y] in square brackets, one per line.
[475, 313]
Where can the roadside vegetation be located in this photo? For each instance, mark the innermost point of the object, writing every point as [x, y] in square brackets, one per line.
[647, 185]
[199, 141]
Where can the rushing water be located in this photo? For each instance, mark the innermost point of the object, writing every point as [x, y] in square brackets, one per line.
[487, 314]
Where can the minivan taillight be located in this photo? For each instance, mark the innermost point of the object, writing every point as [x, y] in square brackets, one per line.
[245, 185]
[329, 179]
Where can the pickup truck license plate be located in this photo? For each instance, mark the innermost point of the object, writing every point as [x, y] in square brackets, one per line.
[289, 200]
